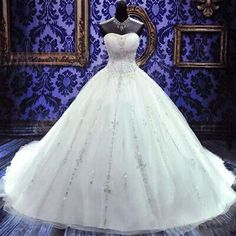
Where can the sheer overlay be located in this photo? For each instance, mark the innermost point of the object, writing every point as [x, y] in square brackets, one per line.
[121, 159]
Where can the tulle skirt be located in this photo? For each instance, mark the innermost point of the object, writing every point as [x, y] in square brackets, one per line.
[121, 159]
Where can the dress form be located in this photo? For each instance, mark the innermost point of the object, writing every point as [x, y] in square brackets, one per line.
[121, 14]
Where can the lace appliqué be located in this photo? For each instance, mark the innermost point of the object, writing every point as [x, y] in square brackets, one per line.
[123, 60]
[191, 161]
[107, 184]
[80, 157]
[42, 164]
[142, 166]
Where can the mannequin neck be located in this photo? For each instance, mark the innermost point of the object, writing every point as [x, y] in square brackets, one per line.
[121, 11]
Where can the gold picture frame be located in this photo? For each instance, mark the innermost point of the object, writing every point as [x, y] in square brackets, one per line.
[180, 29]
[151, 33]
[78, 58]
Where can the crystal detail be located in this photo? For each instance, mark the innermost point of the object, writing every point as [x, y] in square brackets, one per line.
[196, 149]
[195, 188]
[107, 188]
[142, 165]
[107, 184]
[82, 152]
[42, 164]
[122, 61]
[125, 179]
[92, 175]
[122, 25]
[114, 124]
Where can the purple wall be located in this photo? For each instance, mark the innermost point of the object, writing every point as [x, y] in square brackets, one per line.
[44, 92]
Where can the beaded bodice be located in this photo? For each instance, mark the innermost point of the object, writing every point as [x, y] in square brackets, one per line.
[122, 51]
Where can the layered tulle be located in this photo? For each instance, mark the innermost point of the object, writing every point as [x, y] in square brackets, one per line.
[122, 158]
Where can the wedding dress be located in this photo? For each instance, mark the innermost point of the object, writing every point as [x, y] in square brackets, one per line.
[121, 159]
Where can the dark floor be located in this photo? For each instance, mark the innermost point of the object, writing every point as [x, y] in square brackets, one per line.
[10, 225]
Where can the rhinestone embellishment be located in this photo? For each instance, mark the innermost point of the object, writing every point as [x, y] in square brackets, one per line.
[125, 179]
[122, 25]
[108, 183]
[142, 165]
[92, 177]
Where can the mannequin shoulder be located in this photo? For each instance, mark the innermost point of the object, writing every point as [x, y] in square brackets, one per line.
[137, 25]
[137, 21]
[105, 22]
[106, 25]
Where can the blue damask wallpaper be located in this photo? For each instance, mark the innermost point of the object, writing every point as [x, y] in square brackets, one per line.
[45, 92]
[42, 26]
[200, 47]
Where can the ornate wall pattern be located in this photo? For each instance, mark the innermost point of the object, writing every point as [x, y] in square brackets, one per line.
[40, 93]
[40, 19]
[44, 32]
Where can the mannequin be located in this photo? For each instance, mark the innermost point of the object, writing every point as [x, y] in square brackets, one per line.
[127, 25]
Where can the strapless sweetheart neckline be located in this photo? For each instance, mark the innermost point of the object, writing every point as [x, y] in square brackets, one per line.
[121, 35]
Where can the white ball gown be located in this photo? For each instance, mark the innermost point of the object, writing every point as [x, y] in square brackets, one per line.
[121, 159]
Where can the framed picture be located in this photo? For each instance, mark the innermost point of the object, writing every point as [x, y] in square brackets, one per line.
[210, 41]
[55, 33]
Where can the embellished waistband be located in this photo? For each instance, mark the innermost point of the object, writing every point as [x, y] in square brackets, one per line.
[128, 69]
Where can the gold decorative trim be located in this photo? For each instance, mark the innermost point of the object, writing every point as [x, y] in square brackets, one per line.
[78, 58]
[151, 33]
[179, 29]
[208, 7]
